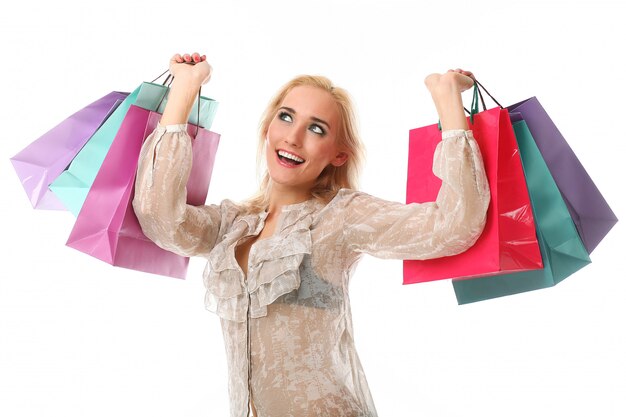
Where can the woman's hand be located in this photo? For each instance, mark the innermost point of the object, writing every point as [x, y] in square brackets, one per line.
[457, 80]
[190, 72]
[446, 91]
[193, 68]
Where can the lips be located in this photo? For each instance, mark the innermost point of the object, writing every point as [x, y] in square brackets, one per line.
[288, 159]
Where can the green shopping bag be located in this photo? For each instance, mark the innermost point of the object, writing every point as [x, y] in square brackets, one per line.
[562, 250]
[72, 186]
[153, 97]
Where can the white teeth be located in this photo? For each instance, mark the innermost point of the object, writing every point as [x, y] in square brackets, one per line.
[290, 156]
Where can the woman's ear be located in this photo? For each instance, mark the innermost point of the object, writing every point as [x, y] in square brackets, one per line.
[340, 159]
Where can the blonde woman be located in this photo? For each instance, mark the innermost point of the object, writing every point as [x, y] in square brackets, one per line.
[279, 264]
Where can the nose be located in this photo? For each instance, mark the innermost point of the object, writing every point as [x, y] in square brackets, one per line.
[294, 136]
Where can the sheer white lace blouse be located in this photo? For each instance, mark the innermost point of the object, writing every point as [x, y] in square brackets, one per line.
[287, 326]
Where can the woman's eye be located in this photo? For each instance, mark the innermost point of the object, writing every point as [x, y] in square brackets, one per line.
[285, 116]
[317, 129]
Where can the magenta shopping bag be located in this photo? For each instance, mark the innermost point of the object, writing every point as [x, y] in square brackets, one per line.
[107, 227]
[41, 162]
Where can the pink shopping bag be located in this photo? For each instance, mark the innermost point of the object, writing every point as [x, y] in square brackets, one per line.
[107, 228]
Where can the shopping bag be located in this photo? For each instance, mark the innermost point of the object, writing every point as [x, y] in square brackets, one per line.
[107, 227]
[591, 213]
[508, 241]
[41, 162]
[562, 249]
[73, 185]
[154, 97]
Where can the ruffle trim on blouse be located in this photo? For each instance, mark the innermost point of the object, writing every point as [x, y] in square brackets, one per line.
[274, 268]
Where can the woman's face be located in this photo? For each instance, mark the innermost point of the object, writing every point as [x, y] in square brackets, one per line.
[301, 138]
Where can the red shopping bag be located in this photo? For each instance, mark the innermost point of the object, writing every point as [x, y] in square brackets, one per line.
[107, 227]
[508, 242]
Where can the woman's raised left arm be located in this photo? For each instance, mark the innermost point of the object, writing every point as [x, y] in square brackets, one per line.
[452, 223]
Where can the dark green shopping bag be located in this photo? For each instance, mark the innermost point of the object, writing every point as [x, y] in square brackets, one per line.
[562, 250]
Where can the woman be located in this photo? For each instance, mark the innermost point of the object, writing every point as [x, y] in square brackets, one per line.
[279, 265]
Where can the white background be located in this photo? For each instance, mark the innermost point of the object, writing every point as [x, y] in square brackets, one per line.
[81, 338]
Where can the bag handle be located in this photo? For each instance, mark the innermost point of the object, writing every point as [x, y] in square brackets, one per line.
[485, 90]
[170, 78]
[162, 74]
[476, 95]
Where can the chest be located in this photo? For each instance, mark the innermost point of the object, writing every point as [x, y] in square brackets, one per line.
[242, 250]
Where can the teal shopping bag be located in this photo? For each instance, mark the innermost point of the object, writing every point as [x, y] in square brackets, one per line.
[562, 250]
[153, 97]
[73, 185]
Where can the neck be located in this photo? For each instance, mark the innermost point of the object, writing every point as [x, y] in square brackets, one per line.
[283, 196]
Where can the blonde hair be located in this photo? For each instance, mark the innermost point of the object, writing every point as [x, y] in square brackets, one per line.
[332, 178]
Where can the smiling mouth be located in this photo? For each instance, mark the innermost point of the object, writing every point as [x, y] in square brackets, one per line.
[289, 158]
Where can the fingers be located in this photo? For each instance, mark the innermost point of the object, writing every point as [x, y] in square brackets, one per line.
[463, 72]
[189, 58]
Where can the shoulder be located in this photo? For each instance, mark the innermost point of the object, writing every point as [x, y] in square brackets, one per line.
[343, 196]
[345, 200]
[229, 211]
[229, 206]
[348, 198]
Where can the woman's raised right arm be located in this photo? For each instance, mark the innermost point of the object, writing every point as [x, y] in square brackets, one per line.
[160, 201]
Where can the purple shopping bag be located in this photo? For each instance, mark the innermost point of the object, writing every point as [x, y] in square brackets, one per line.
[107, 227]
[591, 213]
[41, 162]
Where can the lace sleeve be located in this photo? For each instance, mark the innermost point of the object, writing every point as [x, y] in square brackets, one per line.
[160, 196]
[447, 226]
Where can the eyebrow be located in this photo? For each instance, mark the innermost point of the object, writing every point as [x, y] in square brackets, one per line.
[316, 119]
